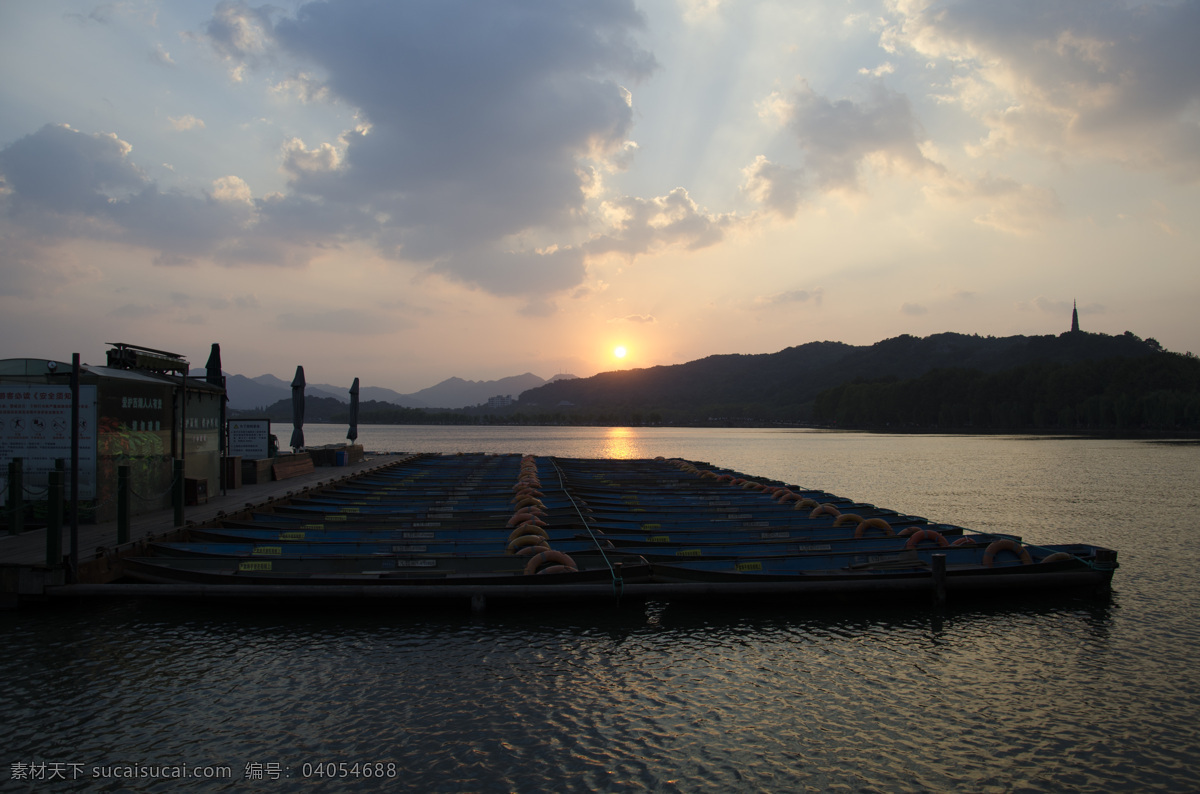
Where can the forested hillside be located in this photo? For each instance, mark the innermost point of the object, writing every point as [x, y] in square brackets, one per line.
[1072, 382]
[1160, 392]
[784, 386]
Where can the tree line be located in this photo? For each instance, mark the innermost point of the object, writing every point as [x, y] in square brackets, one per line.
[1160, 392]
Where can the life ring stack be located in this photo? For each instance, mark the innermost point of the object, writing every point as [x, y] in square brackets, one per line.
[528, 537]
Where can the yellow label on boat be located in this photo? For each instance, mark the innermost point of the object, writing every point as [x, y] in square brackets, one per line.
[312, 526]
[254, 565]
[349, 509]
[294, 535]
[743, 567]
[335, 518]
[261, 550]
[688, 553]
[659, 538]
[649, 527]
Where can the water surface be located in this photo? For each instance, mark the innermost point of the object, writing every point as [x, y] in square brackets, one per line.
[1047, 695]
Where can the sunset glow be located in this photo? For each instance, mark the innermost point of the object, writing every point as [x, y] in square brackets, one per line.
[399, 192]
[619, 351]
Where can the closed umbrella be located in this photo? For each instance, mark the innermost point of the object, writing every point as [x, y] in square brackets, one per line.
[353, 434]
[298, 410]
[212, 370]
[213, 375]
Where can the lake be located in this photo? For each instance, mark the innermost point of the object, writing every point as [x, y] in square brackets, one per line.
[1049, 695]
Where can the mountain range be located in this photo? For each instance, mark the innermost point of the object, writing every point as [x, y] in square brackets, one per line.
[809, 382]
[785, 384]
[247, 394]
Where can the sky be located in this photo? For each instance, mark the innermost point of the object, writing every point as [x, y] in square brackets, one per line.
[408, 191]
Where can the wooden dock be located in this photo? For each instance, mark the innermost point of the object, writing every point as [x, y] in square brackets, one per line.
[482, 528]
[24, 574]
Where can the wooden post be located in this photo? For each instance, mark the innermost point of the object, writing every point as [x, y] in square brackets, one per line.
[177, 491]
[123, 477]
[54, 518]
[16, 496]
[939, 580]
[74, 475]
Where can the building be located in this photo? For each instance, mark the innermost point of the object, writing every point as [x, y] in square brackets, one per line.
[500, 401]
[141, 411]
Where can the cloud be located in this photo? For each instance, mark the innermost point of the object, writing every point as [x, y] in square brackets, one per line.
[913, 309]
[538, 307]
[634, 318]
[184, 123]
[779, 188]
[133, 311]
[1074, 78]
[59, 182]
[478, 121]
[481, 132]
[160, 56]
[1009, 206]
[638, 226]
[837, 136]
[60, 170]
[1059, 308]
[240, 33]
[791, 297]
[353, 322]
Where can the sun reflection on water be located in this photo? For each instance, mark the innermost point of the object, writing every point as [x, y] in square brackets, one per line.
[621, 443]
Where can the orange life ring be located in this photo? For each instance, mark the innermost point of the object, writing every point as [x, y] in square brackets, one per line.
[525, 551]
[1007, 544]
[847, 518]
[524, 540]
[964, 541]
[528, 528]
[806, 503]
[926, 534]
[538, 560]
[524, 516]
[874, 523]
[825, 510]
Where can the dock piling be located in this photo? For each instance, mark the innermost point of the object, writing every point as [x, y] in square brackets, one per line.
[123, 477]
[16, 497]
[939, 580]
[177, 491]
[54, 518]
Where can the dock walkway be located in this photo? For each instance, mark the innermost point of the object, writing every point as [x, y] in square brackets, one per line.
[25, 553]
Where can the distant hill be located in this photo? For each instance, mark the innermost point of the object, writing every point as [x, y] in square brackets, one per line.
[782, 386]
[1073, 382]
[249, 394]
[459, 393]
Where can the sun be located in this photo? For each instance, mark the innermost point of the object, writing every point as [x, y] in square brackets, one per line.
[619, 351]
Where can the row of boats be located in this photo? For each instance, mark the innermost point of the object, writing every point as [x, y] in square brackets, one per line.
[509, 524]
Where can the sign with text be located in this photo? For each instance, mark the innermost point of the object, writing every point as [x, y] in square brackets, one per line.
[248, 438]
[35, 425]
